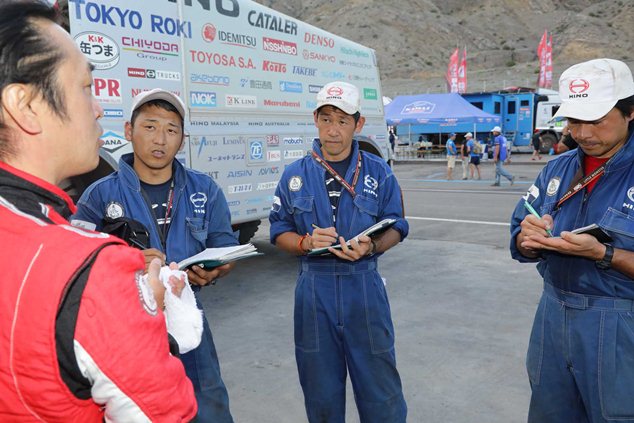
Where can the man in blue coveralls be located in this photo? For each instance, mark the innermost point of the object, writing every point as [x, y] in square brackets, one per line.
[580, 357]
[342, 315]
[184, 212]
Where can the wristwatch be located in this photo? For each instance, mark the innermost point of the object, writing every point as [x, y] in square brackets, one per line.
[606, 262]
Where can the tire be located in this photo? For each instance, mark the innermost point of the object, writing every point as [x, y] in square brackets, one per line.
[247, 230]
[548, 141]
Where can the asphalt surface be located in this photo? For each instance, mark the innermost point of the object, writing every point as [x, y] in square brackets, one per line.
[462, 308]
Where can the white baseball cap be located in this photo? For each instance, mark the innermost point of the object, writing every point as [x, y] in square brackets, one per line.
[341, 95]
[468, 134]
[158, 94]
[496, 129]
[589, 90]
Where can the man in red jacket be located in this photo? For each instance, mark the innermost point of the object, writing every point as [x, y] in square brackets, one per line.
[82, 337]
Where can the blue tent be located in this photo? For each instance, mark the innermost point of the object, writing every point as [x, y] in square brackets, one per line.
[438, 113]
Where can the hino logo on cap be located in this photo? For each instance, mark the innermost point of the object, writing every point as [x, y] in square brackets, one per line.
[578, 88]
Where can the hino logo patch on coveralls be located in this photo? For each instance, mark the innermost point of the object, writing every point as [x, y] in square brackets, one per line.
[114, 210]
[295, 183]
[198, 199]
[553, 186]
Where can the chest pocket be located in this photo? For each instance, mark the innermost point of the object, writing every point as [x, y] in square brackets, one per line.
[620, 226]
[367, 210]
[304, 213]
[197, 228]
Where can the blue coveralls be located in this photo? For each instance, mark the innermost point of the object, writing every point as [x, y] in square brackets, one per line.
[200, 219]
[342, 314]
[580, 358]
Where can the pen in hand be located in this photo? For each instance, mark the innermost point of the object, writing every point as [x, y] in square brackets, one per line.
[534, 213]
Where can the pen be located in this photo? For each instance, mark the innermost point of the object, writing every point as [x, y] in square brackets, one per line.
[314, 226]
[534, 213]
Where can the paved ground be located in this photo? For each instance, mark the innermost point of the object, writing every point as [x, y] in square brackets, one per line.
[462, 308]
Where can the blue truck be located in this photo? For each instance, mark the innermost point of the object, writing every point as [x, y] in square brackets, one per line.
[523, 111]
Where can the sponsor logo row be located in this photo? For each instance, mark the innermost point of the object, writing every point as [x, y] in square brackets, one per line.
[104, 53]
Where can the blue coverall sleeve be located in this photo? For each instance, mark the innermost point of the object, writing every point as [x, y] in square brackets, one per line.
[520, 213]
[281, 217]
[90, 207]
[392, 204]
[219, 232]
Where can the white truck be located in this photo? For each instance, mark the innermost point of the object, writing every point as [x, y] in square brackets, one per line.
[248, 74]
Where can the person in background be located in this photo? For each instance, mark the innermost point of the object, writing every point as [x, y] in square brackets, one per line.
[452, 152]
[474, 156]
[183, 210]
[464, 155]
[566, 142]
[66, 352]
[500, 156]
[536, 141]
[342, 318]
[580, 358]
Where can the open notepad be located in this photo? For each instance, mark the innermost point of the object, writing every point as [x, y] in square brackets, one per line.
[373, 230]
[214, 257]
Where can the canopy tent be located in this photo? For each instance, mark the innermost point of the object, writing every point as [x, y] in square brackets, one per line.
[437, 114]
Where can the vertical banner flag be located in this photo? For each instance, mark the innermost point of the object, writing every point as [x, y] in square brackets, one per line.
[452, 73]
[462, 73]
[541, 54]
[549, 63]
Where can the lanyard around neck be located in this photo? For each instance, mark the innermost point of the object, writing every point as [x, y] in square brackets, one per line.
[580, 182]
[339, 178]
[168, 210]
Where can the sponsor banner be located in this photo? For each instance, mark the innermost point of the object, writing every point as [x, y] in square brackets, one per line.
[355, 64]
[370, 94]
[314, 89]
[256, 151]
[113, 141]
[269, 66]
[154, 74]
[319, 40]
[221, 59]
[256, 84]
[100, 50]
[145, 45]
[241, 101]
[265, 171]
[137, 91]
[129, 19]
[304, 71]
[273, 156]
[272, 22]
[239, 189]
[113, 113]
[210, 33]
[321, 57]
[107, 90]
[265, 186]
[204, 78]
[281, 103]
[202, 99]
[291, 87]
[272, 140]
[293, 141]
[354, 52]
[293, 154]
[279, 46]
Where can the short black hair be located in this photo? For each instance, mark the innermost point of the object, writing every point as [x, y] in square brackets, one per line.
[27, 56]
[625, 105]
[355, 116]
[165, 105]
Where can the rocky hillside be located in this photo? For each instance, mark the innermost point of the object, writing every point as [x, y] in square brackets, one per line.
[414, 38]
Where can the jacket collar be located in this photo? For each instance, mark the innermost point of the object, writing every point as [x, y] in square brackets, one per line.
[46, 192]
[130, 177]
